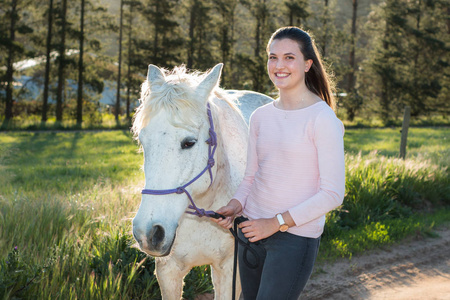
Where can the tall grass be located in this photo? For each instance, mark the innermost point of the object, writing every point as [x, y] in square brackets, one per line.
[67, 199]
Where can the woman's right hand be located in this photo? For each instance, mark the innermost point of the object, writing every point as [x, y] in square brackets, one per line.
[230, 211]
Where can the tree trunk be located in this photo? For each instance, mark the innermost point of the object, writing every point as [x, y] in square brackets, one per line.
[156, 35]
[190, 60]
[130, 31]
[47, 62]
[80, 69]
[62, 63]
[10, 67]
[325, 26]
[117, 108]
[351, 106]
[351, 75]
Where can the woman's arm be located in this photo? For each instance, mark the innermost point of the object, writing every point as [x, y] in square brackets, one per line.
[329, 141]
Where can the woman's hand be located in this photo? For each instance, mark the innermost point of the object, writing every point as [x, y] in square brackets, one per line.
[230, 211]
[259, 229]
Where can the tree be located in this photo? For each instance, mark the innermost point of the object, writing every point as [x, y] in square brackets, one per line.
[226, 10]
[158, 41]
[10, 69]
[80, 68]
[15, 26]
[353, 101]
[47, 62]
[325, 28]
[132, 5]
[117, 107]
[199, 43]
[256, 64]
[297, 11]
[409, 59]
[62, 62]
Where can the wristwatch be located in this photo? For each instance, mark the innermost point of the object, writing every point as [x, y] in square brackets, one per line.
[283, 226]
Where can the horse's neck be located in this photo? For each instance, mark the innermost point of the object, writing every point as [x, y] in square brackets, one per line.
[231, 153]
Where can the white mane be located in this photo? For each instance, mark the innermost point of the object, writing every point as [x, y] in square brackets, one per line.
[177, 96]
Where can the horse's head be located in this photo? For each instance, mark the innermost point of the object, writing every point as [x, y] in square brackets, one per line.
[172, 126]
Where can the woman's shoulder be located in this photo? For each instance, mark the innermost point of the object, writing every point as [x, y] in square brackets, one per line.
[325, 117]
[262, 110]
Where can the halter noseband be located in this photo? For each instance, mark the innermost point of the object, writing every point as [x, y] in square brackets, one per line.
[212, 145]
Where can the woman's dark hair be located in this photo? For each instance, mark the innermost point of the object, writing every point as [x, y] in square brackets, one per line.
[317, 80]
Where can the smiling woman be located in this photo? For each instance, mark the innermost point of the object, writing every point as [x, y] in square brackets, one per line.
[295, 171]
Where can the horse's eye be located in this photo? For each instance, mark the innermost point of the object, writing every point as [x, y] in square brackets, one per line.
[188, 143]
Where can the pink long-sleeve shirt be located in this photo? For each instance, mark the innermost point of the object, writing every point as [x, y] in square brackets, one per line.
[295, 163]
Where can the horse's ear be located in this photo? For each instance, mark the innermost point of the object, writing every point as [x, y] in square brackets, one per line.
[154, 75]
[211, 80]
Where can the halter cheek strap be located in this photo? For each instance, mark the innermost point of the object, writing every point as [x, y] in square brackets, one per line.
[212, 145]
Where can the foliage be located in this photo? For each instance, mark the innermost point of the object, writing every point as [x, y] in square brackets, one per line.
[400, 49]
[407, 62]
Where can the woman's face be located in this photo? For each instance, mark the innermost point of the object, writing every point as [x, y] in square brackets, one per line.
[286, 64]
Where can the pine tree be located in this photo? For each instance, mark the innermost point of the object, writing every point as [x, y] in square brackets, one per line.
[61, 62]
[80, 67]
[260, 10]
[47, 61]
[199, 43]
[13, 33]
[133, 6]
[9, 64]
[226, 10]
[353, 101]
[159, 41]
[409, 58]
[117, 106]
[297, 11]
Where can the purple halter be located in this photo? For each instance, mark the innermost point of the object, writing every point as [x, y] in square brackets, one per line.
[212, 145]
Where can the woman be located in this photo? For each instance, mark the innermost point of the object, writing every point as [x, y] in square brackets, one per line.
[295, 171]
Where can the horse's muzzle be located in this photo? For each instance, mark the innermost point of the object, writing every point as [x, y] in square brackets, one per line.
[154, 242]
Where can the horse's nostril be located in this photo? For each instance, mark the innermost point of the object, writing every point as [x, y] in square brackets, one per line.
[157, 235]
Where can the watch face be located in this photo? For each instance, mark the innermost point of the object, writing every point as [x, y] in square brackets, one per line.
[284, 228]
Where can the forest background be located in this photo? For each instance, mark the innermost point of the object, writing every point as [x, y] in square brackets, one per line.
[384, 55]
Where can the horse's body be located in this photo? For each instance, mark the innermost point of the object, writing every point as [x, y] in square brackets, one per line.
[172, 126]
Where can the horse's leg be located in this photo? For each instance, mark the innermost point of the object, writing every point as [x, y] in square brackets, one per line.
[222, 277]
[170, 278]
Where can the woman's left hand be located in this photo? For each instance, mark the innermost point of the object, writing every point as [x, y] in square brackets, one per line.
[259, 229]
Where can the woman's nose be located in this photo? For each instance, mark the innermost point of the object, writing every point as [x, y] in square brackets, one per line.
[279, 64]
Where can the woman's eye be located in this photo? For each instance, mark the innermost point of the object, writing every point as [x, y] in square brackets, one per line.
[289, 57]
[188, 143]
[272, 57]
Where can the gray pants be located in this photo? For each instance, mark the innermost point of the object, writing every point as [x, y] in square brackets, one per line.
[286, 263]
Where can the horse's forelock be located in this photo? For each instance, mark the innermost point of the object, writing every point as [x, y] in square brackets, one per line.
[175, 94]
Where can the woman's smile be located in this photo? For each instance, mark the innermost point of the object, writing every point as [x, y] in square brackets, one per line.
[281, 75]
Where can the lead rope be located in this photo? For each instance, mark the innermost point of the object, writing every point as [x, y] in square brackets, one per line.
[236, 245]
[247, 248]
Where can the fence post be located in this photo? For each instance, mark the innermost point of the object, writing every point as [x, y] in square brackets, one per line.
[404, 131]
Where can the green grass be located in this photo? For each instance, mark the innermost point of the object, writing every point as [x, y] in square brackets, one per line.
[33, 122]
[67, 199]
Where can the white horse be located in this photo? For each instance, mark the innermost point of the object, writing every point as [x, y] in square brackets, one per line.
[172, 126]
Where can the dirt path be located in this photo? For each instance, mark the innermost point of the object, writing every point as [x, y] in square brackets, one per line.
[416, 269]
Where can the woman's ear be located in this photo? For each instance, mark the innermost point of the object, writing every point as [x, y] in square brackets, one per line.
[308, 64]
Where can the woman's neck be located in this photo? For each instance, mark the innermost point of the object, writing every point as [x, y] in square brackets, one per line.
[296, 99]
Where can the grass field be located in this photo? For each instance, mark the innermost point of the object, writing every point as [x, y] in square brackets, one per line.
[67, 199]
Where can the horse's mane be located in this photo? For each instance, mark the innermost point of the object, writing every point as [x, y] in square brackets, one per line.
[176, 95]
